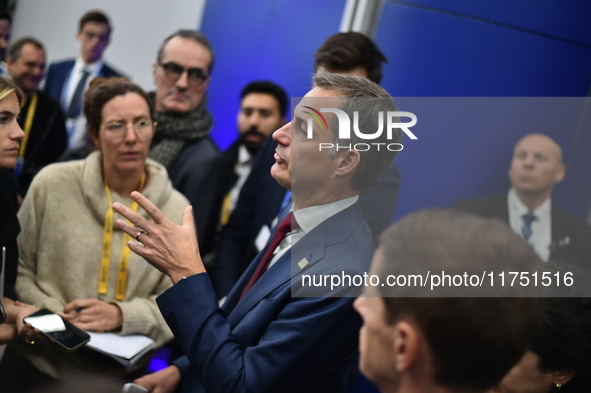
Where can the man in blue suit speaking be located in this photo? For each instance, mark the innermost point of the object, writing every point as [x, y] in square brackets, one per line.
[271, 335]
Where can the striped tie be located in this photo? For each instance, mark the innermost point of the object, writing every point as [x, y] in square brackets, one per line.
[75, 107]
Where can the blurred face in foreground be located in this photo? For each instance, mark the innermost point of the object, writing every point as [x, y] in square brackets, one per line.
[376, 337]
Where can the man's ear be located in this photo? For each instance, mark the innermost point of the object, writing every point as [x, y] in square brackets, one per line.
[154, 70]
[206, 84]
[9, 62]
[406, 345]
[560, 172]
[348, 162]
[562, 376]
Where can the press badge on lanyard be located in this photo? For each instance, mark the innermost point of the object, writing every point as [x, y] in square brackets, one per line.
[121, 286]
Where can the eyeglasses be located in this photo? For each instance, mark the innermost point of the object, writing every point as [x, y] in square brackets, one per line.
[116, 131]
[196, 76]
[91, 36]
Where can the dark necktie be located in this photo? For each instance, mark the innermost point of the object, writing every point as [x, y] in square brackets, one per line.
[76, 104]
[527, 220]
[284, 227]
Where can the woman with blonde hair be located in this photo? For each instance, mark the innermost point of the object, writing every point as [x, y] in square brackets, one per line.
[11, 100]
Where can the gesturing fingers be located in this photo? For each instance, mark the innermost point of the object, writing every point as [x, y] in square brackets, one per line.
[133, 217]
[133, 231]
[170, 248]
[150, 208]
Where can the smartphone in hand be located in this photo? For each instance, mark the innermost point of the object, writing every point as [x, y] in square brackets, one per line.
[2, 312]
[133, 388]
[58, 330]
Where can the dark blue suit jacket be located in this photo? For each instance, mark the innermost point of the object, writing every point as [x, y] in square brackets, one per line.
[273, 340]
[259, 202]
[58, 74]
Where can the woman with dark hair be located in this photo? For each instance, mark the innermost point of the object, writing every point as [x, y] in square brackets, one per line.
[560, 356]
[73, 260]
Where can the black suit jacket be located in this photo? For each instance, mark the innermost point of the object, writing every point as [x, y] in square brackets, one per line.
[9, 229]
[571, 238]
[200, 173]
[231, 155]
[47, 141]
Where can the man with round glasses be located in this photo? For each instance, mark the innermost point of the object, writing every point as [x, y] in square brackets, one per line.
[182, 143]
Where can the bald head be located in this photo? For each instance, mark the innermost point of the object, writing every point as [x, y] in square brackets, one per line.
[543, 141]
[535, 168]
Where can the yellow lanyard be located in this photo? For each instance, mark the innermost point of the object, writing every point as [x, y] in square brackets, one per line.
[28, 125]
[106, 253]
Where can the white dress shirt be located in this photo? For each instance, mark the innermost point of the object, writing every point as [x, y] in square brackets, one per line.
[541, 228]
[242, 169]
[77, 127]
[308, 219]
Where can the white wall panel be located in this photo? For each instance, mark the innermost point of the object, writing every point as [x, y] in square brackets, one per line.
[139, 28]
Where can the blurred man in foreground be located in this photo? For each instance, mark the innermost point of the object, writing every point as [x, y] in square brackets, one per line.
[449, 344]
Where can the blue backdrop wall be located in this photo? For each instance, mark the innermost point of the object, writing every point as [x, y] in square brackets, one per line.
[435, 48]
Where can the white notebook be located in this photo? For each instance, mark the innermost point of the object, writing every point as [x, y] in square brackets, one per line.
[125, 349]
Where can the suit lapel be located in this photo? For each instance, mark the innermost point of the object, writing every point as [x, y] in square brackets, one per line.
[560, 236]
[311, 247]
[333, 231]
[234, 295]
[500, 208]
[65, 80]
[276, 276]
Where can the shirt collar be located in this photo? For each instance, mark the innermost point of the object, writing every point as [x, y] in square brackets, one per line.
[519, 207]
[312, 216]
[244, 156]
[93, 68]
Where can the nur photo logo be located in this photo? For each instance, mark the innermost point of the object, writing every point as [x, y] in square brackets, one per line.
[387, 122]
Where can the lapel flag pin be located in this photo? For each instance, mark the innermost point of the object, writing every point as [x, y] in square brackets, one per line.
[303, 263]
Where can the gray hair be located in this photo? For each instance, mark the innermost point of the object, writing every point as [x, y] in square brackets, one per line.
[194, 35]
[368, 99]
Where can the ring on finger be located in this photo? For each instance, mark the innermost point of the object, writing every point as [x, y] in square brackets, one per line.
[141, 232]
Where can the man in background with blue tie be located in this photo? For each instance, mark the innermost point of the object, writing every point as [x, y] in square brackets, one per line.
[67, 80]
[554, 234]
